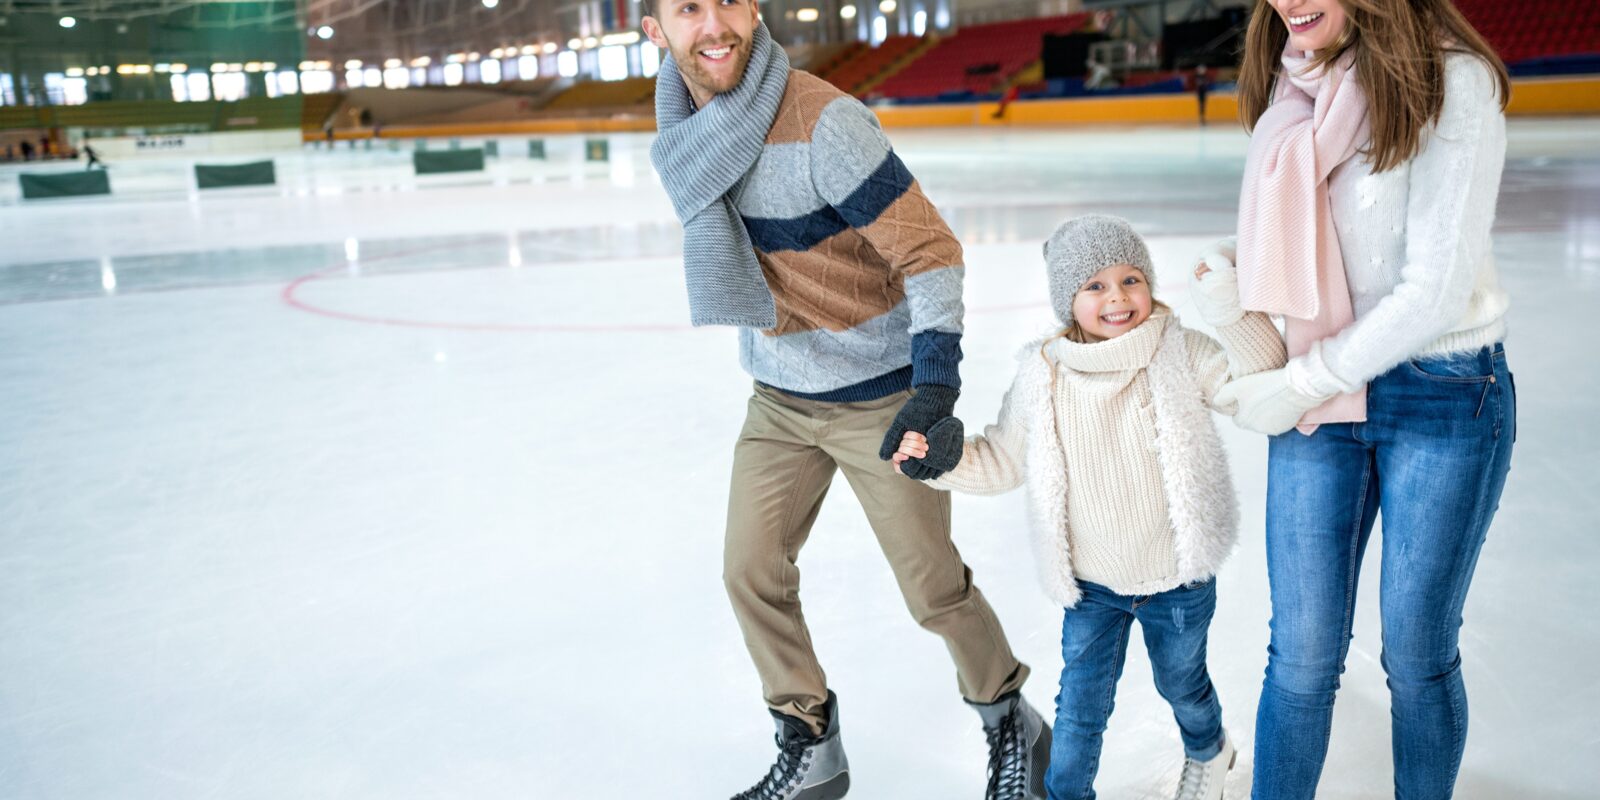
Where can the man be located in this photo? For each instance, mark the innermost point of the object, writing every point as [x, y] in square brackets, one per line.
[803, 229]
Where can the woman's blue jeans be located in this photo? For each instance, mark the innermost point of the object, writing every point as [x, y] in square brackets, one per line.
[1432, 458]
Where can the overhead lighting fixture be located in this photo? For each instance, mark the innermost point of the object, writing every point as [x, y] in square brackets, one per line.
[93, 71]
[550, 47]
[219, 67]
[574, 44]
[888, 6]
[391, 63]
[254, 66]
[141, 69]
[68, 22]
[806, 15]
[619, 38]
[74, 72]
[490, 3]
[590, 42]
[497, 52]
[421, 61]
[474, 56]
[354, 63]
[179, 68]
[325, 32]
[268, 66]
[847, 12]
[529, 50]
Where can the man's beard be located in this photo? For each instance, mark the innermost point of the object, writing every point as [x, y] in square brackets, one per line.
[693, 69]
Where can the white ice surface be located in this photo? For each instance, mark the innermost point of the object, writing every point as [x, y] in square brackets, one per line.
[371, 486]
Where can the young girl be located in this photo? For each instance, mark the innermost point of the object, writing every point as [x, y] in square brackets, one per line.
[1133, 510]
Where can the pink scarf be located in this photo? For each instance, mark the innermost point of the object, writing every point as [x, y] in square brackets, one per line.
[1288, 254]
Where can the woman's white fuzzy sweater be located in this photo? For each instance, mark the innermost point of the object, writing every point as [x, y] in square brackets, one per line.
[1128, 484]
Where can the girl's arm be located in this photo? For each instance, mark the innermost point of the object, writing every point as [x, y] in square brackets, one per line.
[992, 462]
[1250, 343]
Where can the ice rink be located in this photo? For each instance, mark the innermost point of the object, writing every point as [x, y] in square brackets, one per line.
[377, 486]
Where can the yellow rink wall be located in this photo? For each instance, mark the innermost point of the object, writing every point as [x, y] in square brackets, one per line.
[1529, 97]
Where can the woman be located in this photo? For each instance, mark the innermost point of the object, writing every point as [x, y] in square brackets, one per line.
[1377, 142]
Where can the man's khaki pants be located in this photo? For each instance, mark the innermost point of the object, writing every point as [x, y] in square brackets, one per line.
[782, 467]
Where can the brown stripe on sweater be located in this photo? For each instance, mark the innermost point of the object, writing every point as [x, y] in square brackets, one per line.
[837, 285]
[912, 236]
[803, 100]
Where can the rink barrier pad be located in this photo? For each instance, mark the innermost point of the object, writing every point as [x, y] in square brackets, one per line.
[222, 176]
[429, 162]
[1529, 97]
[64, 184]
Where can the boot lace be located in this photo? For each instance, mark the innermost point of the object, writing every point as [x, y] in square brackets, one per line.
[794, 757]
[1193, 784]
[1007, 762]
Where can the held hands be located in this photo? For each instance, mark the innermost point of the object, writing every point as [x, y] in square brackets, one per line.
[1268, 402]
[1216, 285]
[929, 413]
[914, 449]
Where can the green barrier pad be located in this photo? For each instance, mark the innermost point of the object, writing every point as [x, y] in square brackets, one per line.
[65, 184]
[222, 176]
[597, 150]
[427, 163]
[491, 149]
[536, 148]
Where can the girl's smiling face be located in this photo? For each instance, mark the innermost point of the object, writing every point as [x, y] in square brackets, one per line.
[1112, 302]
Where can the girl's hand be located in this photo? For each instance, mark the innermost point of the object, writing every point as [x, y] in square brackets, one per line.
[913, 445]
[1215, 287]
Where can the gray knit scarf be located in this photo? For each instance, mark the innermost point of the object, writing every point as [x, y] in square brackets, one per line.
[701, 156]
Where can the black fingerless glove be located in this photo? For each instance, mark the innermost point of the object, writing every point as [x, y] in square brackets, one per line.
[930, 413]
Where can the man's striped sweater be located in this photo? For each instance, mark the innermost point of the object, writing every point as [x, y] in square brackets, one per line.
[865, 274]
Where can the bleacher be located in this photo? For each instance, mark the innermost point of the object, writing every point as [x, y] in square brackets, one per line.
[316, 108]
[978, 59]
[1536, 29]
[605, 94]
[867, 63]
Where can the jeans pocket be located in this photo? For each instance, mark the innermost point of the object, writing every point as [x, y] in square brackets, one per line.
[1460, 368]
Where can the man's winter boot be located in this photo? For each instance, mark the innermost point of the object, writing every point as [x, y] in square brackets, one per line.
[1019, 748]
[809, 767]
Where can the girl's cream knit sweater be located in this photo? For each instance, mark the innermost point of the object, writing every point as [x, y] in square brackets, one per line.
[1126, 475]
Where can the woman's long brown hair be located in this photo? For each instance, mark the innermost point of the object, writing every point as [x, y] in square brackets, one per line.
[1399, 47]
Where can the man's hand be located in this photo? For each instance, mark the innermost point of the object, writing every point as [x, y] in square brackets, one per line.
[914, 448]
[928, 412]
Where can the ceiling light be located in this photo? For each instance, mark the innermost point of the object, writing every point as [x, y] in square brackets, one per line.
[806, 15]
[68, 22]
[847, 12]
[888, 6]
[325, 32]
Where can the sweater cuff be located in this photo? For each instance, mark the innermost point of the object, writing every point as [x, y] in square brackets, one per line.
[936, 359]
[1310, 376]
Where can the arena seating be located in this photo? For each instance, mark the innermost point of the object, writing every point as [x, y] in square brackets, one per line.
[978, 58]
[1521, 30]
[605, 94]
[869, 62]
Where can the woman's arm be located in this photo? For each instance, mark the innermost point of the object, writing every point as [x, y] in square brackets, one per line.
[1454, 184]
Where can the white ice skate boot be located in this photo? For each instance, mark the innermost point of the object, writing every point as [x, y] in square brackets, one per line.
[1202, 780]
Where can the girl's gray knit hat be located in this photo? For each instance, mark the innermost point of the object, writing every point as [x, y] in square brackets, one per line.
[1084, 245]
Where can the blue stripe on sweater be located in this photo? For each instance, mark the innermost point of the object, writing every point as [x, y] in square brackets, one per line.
[935, 358]
[885, 185]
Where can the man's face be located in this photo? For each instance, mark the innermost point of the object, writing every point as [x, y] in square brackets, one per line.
[709, 40]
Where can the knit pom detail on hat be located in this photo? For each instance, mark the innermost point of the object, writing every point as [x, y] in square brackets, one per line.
[1081, 247]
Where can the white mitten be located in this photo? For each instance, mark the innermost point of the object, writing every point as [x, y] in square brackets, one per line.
[1267, 402]
[1217, 292]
